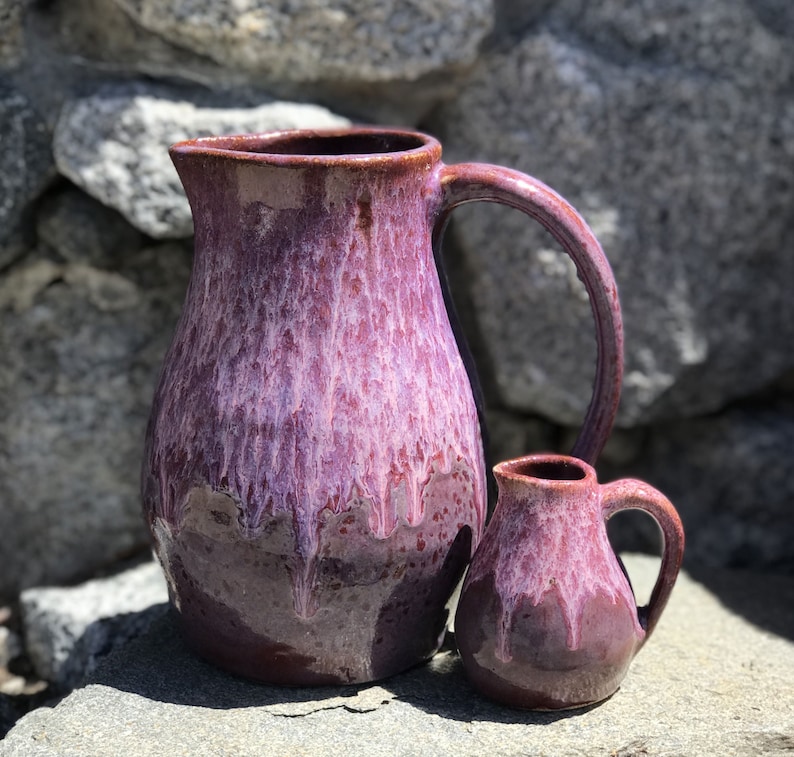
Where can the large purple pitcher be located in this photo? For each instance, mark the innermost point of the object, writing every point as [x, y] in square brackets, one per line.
[314, 477]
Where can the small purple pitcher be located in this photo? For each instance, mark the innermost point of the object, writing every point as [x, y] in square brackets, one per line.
[547, 618]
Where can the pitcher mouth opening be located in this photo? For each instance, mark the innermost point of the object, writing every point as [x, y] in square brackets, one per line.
[366, 143]
[545, 467]
[317, 146]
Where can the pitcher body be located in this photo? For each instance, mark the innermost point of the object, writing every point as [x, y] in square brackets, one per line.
[315, 477]
[547, 618]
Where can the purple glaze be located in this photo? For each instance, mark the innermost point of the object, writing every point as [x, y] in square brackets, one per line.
[314, 477]
[547, 618]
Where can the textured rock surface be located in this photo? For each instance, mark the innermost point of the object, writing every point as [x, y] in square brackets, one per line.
[372, 40]
[729, 477]
[99, 36]
[11, 35]
[81, 229]
[671, 128]
[714, 679]
[10, 646]
[114, 145]
[102, 34]
[25, 166]
[68, 631]
[81, 348]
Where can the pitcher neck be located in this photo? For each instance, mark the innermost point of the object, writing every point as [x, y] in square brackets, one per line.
[546, 478]
[295, 177]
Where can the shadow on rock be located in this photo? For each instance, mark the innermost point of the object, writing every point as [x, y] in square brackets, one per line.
[160, 667]
[441, 688]
[764, 599]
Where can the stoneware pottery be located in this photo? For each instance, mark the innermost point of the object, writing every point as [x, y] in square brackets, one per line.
[547, 618]
[314, 474]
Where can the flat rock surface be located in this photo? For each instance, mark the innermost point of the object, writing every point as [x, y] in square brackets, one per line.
[717, 677]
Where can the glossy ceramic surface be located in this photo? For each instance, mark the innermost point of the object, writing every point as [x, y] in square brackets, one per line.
[314, 477]
[547, 618]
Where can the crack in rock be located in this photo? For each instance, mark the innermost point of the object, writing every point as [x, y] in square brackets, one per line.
[326, 708]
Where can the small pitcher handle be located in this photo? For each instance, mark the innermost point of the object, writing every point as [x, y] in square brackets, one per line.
[469, 182]
[631, 494]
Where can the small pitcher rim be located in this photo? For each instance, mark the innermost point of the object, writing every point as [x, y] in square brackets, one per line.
[515, 469]
[426, 148]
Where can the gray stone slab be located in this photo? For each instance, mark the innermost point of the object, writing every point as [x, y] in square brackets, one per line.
[12, 35]
[716, 679]
[371, 40]
[114, 145]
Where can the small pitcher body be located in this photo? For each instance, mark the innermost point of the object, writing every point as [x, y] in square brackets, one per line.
[547, 618]
[314, 477]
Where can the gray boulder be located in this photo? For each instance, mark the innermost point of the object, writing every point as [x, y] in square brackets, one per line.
[69, 631]
[671, 128]
[11, 38]
[100, 35]
[25, 165]
[86, 38]
[81, 349]
[114, 145]
[306, 40]
[81, 229]
[729, 478]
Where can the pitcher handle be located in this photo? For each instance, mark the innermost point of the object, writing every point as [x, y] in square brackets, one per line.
[470, 182]
[631, 494]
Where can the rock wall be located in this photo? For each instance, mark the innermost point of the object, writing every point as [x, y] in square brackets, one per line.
[670, 125]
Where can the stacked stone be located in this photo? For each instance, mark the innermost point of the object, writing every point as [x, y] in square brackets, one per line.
[668, 124]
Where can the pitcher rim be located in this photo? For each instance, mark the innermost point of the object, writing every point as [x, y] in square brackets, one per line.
[232, 147]
[515, 469]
